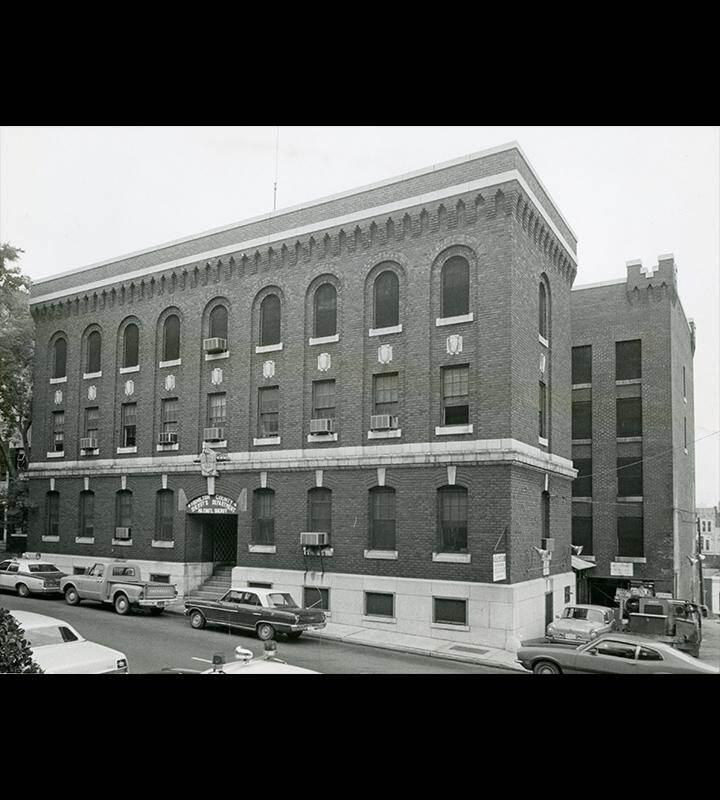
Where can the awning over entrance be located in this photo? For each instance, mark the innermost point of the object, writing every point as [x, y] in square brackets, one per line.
[580, 563]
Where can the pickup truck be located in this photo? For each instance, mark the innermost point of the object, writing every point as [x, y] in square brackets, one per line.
[118, 583]
[669, 620]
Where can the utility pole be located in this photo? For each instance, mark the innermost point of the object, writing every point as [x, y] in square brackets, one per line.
[701, 590]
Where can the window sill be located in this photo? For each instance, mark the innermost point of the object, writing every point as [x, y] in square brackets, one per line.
[322, 437]
[58, 380]
[160, 448]
[581, 441]
[542, 442]
[51, 538]
[163, 543]
[385, 331]
[449, 626]
[56, 454]
[581, 386]
[175, 362]
[128, 370]
[394, 433]
[90, 375]
[629, 438]
[631, 559]
[266, 441]
[442, 321]
[578, 499]
[262, 548]
[628, 382]
[217, 356]
[121, 542]
[88, 452]
[371, 618]
[630, 498]
[269, 348]
[543, 340]
[216, 445]
[84, 540]
[588, 557]
[453, 558]
[122, 450]
[452, 430]
[324, 339]
[381, 555]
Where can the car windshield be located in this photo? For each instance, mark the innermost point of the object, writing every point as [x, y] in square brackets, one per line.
[583, 613]
[43, 568]
[282, 600]
[51, 634]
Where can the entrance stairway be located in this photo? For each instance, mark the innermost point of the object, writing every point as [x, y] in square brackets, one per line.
[215, 586]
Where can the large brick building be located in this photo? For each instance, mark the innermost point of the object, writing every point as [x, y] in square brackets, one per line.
[389, 369]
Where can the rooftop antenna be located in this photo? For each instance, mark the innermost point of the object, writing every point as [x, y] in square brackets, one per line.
[277, 144]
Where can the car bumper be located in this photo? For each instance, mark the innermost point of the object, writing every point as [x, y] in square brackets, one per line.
[159, 603]
[308, 626]
[563, 640]
[47, 590]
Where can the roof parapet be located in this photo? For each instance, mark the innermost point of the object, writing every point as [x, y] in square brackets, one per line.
[662, 274]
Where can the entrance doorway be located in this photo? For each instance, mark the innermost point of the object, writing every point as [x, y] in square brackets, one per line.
[601, 591]
[222, 529]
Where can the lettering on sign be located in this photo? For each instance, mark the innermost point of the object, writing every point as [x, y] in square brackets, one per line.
[215, 504]
[621, 568]
[499, 567]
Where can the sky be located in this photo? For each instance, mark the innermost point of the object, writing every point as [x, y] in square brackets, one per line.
[72, 196]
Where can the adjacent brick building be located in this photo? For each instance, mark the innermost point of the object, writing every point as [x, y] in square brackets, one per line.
[388, 369]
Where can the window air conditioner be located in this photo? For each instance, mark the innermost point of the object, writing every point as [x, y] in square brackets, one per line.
[310, 539]
[88, 443]
[213, 434]
[215, 345]
[122, 533]
[547, 544]
[167, 438]
[382, 422]
[322, 425]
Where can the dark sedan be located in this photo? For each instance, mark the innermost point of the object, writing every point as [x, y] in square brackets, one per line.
[612, 653]
[265, 611]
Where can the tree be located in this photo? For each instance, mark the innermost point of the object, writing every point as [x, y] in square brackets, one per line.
[17, 346]
[15, 652]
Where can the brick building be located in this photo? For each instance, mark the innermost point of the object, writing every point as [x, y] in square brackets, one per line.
[388, 369]
[709, 519]
[633, 503]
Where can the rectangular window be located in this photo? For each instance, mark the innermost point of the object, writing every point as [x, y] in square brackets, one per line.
[453, 514]
[169, 413]
[582, 364]
[268, 411]
[629, 416]
[53, 514]
[449, 612]
[385, 393]
[382, 519]
[582, 534]
[582, 419]
[582, 485]
[58, 431]
[129, 420]
[314, 597]
[455, 383]
[159, 578]
[263, 530]
[567, 594]
[217, 410]
[629, 477]
[320, 510]
[323, 400]
[630, 536]
[87, 515]
[92, 421]
[379, 604]
[628, 360]
[542, 411]
[164, 516]
[123, 509]
[259, 585]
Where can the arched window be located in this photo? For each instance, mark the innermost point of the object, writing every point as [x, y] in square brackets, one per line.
[452, 519]
[320, 510]
[219, 323]
[543, 310]
[164, 512]
[263, 528]
[87, 515]
[93, 352]
[131, 342]
[455, 287]
[270, 320]
[60, 358]
[325, 311]
[382, 518]
[171, 338]
[387, 299]
[123, 509]
[53, 513]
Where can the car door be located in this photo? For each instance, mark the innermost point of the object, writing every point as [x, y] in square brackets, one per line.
[608, 657]
[249, 611]
[4, 577]
[231, 605]
[90, 584]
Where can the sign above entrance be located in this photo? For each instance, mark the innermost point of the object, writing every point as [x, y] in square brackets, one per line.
[215, 504]
[621, 568]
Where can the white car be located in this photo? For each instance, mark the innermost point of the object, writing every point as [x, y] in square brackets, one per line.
[58, 649]
[28, 576]
[246, 664]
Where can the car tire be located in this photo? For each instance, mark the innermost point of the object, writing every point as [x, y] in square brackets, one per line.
[197, 620]
[294, 634]
[22, 590]
[265, 632]
[72, 598]
[122, 604]
[546, 668]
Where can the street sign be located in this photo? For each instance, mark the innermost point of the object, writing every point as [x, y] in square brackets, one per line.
[546, 566]
[621, 569]
[499, 567]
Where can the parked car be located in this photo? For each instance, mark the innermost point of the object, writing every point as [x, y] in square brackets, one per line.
[266, 611]
[28, 576]
[668, 620]
[246, 664]
[581, 623]
[58, 648]
[611, 653]
[118, 583]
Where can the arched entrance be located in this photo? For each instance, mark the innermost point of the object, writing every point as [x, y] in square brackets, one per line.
[214, 518]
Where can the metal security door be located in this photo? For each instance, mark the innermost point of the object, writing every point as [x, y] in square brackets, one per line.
[224, 533]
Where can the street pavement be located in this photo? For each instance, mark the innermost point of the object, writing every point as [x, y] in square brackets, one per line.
[152, 643]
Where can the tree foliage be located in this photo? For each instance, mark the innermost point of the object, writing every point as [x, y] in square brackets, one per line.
[15, 653]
